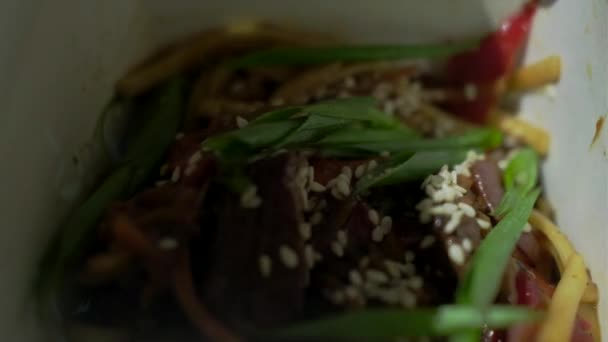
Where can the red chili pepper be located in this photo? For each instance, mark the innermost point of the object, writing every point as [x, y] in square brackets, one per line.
[494, 59]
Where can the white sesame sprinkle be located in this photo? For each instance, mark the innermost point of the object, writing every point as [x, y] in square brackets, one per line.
[351, 292]
[337, 248]
[311, 174]
[409, 269]
[470, 92]
[250, 199]
[349, 82]
[454, 221]
[416, 282]
[444, 209]
[195, 158]
[467, 209]
[392, 268]
[377, 234]
[343, 188]
[336, 194]
[527, 228]
[167, 244]
[360, 171]
[317, 187]
[347, 171]
[305, 230]
[372, 165]
[376, 276]
[386, 224]
[409, 256]
[483, 224]
[467, 245]
[456, 254]
[179, 135]
[373, 216]
[316, 218]
[190, 170]
[309, 255]
[265, 265]
[163, 169]
[385, 154]
[288, 256]
[342, 237]
[176, 174]
[427, 241]
[407, 299]
[355, 277]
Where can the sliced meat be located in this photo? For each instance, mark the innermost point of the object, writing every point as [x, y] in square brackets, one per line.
[235, 287]
[487, 184]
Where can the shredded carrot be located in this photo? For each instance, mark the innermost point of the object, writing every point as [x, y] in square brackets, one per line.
[193, 307]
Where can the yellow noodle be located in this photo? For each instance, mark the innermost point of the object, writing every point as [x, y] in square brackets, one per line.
[562, 249]
[536, 75]
[538, 138]
[561, 315]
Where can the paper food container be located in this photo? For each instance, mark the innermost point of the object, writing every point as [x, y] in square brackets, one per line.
[60, 59]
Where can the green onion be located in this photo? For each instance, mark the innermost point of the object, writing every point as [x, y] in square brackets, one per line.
[482, 281]
[520, 176]
[392, 323]
[257, 136]
[355, 135]
[315, 127]
[320, 55]
[418, 166]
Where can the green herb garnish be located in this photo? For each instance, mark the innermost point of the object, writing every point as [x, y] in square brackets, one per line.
[392, 323]
[520, 176]
[320, 55]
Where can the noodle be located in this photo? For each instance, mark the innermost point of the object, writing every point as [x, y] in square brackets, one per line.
[536, 75]
[538, 138]
[563, 307]
[562, 250]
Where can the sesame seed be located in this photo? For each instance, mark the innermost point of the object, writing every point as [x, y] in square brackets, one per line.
[454, 221]
[389, 296]
[250, 199]
[385, 154]
[337, 248]
[179, 135]
[163, 169]
[373, 216]
[343, 177]
[176, 174]
[470, 92]
[376, 276]
[316, 218]
[343, 188]
[167, 244]
[456, 254]
[338, 297]
[527, 228]
[265, 265]
[416, 282]
[311, 174]
[336, 194]
[190, 170]
[409, 269]
[302, 175]
[386, 224]
[377, 234]
[355, 277]
[195, 158]
[392, 268]
[409, 256]
[407, 299]
[277, 101]
[342, 238]
[372, 165]
[351, 292]
[360, 171]
[288, 256]
[483, 224]
[309, 255]
[349, 82]
[347, 171]
[305, 230]
[161, 183]
[467, 245]
[317, 187]
[467, 209]
[427, 242]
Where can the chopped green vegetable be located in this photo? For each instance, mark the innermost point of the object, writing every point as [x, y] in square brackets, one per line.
[482, 281]
[392, 323]
[418, 166]
[315, 127]
[143, 154]
[520, 176]
[355, 135]
[320, 55]
[256, 136]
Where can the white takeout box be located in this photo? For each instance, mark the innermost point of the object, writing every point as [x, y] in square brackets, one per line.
[59, 59]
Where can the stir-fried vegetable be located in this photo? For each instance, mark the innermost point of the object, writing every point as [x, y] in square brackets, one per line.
[319, 55]
[385, 324]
